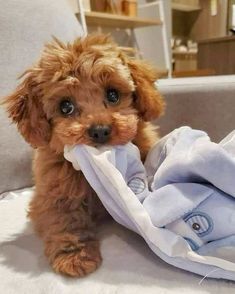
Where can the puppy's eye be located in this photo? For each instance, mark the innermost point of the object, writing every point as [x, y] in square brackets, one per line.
[112, 96]
[66, 107]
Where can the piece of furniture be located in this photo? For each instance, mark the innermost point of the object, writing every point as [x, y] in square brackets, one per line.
[184, 61]
[207, 22]
[185, 5]
[205, 103]
[129, 266]
[101, 19]
[217, 54]
[118, 21]
[193, 73]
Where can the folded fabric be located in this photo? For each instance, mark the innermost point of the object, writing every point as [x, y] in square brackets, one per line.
[181, 201]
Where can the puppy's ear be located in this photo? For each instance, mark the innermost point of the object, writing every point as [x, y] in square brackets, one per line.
[147, 100]
[25, 109]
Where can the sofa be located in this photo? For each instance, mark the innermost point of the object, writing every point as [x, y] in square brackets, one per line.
[128, 266]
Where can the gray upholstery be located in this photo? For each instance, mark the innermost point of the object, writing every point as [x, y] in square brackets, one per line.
[25, 26]
[206, 103]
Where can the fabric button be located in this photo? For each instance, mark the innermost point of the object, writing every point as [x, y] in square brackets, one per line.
[137, 185]
[196, 226]
[200, 222]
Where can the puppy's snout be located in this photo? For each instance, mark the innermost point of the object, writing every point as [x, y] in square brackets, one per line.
[100, 133]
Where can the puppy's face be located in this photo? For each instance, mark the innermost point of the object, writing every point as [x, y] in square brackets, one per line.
[88, 92]
[93, 103]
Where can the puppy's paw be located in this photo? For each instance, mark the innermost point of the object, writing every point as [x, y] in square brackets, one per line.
[74, 255]
[78, 261]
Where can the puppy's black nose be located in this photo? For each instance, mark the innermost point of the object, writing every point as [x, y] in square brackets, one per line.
[100, 133]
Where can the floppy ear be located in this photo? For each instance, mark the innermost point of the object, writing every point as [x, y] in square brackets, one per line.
[148, 100]
[25, 109]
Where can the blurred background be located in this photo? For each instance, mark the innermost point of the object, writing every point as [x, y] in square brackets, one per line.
[183, 38]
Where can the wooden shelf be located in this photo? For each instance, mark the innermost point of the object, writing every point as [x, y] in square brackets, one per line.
[193, 73]
[184, 53]
[185, 7]
[217, 40]
[94, 18]
[162, 73]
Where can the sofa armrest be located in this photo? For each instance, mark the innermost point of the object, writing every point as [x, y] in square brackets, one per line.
[206, 103]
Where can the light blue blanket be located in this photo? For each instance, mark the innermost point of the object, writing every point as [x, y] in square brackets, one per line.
[181, 201]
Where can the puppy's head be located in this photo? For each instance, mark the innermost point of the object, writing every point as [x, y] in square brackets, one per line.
[88, 92]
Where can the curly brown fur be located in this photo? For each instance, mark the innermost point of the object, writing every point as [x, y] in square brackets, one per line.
[65, 209]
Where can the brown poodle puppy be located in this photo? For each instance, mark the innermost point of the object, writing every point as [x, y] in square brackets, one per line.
[89, 92]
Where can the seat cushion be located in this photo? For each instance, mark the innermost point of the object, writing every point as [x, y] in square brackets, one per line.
[129, 266]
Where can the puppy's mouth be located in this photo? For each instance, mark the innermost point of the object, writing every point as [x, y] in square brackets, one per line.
[104, 135]
[118, 131]
[122, 130]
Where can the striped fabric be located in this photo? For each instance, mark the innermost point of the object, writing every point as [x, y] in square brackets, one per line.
[200, 223]
[137, 185]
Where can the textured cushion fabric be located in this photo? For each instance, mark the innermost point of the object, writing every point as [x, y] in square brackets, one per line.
[25, 26]
[128, 267]
[205, 103]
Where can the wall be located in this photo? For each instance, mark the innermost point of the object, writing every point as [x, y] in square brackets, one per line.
[206, 26]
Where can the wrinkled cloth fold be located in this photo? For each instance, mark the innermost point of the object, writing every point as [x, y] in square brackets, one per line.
[181, 201]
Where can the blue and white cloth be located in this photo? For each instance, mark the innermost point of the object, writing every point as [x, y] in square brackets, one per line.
[181, 201]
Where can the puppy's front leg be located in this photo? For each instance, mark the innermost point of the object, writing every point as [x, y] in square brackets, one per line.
[74, 254]
[64, 222]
